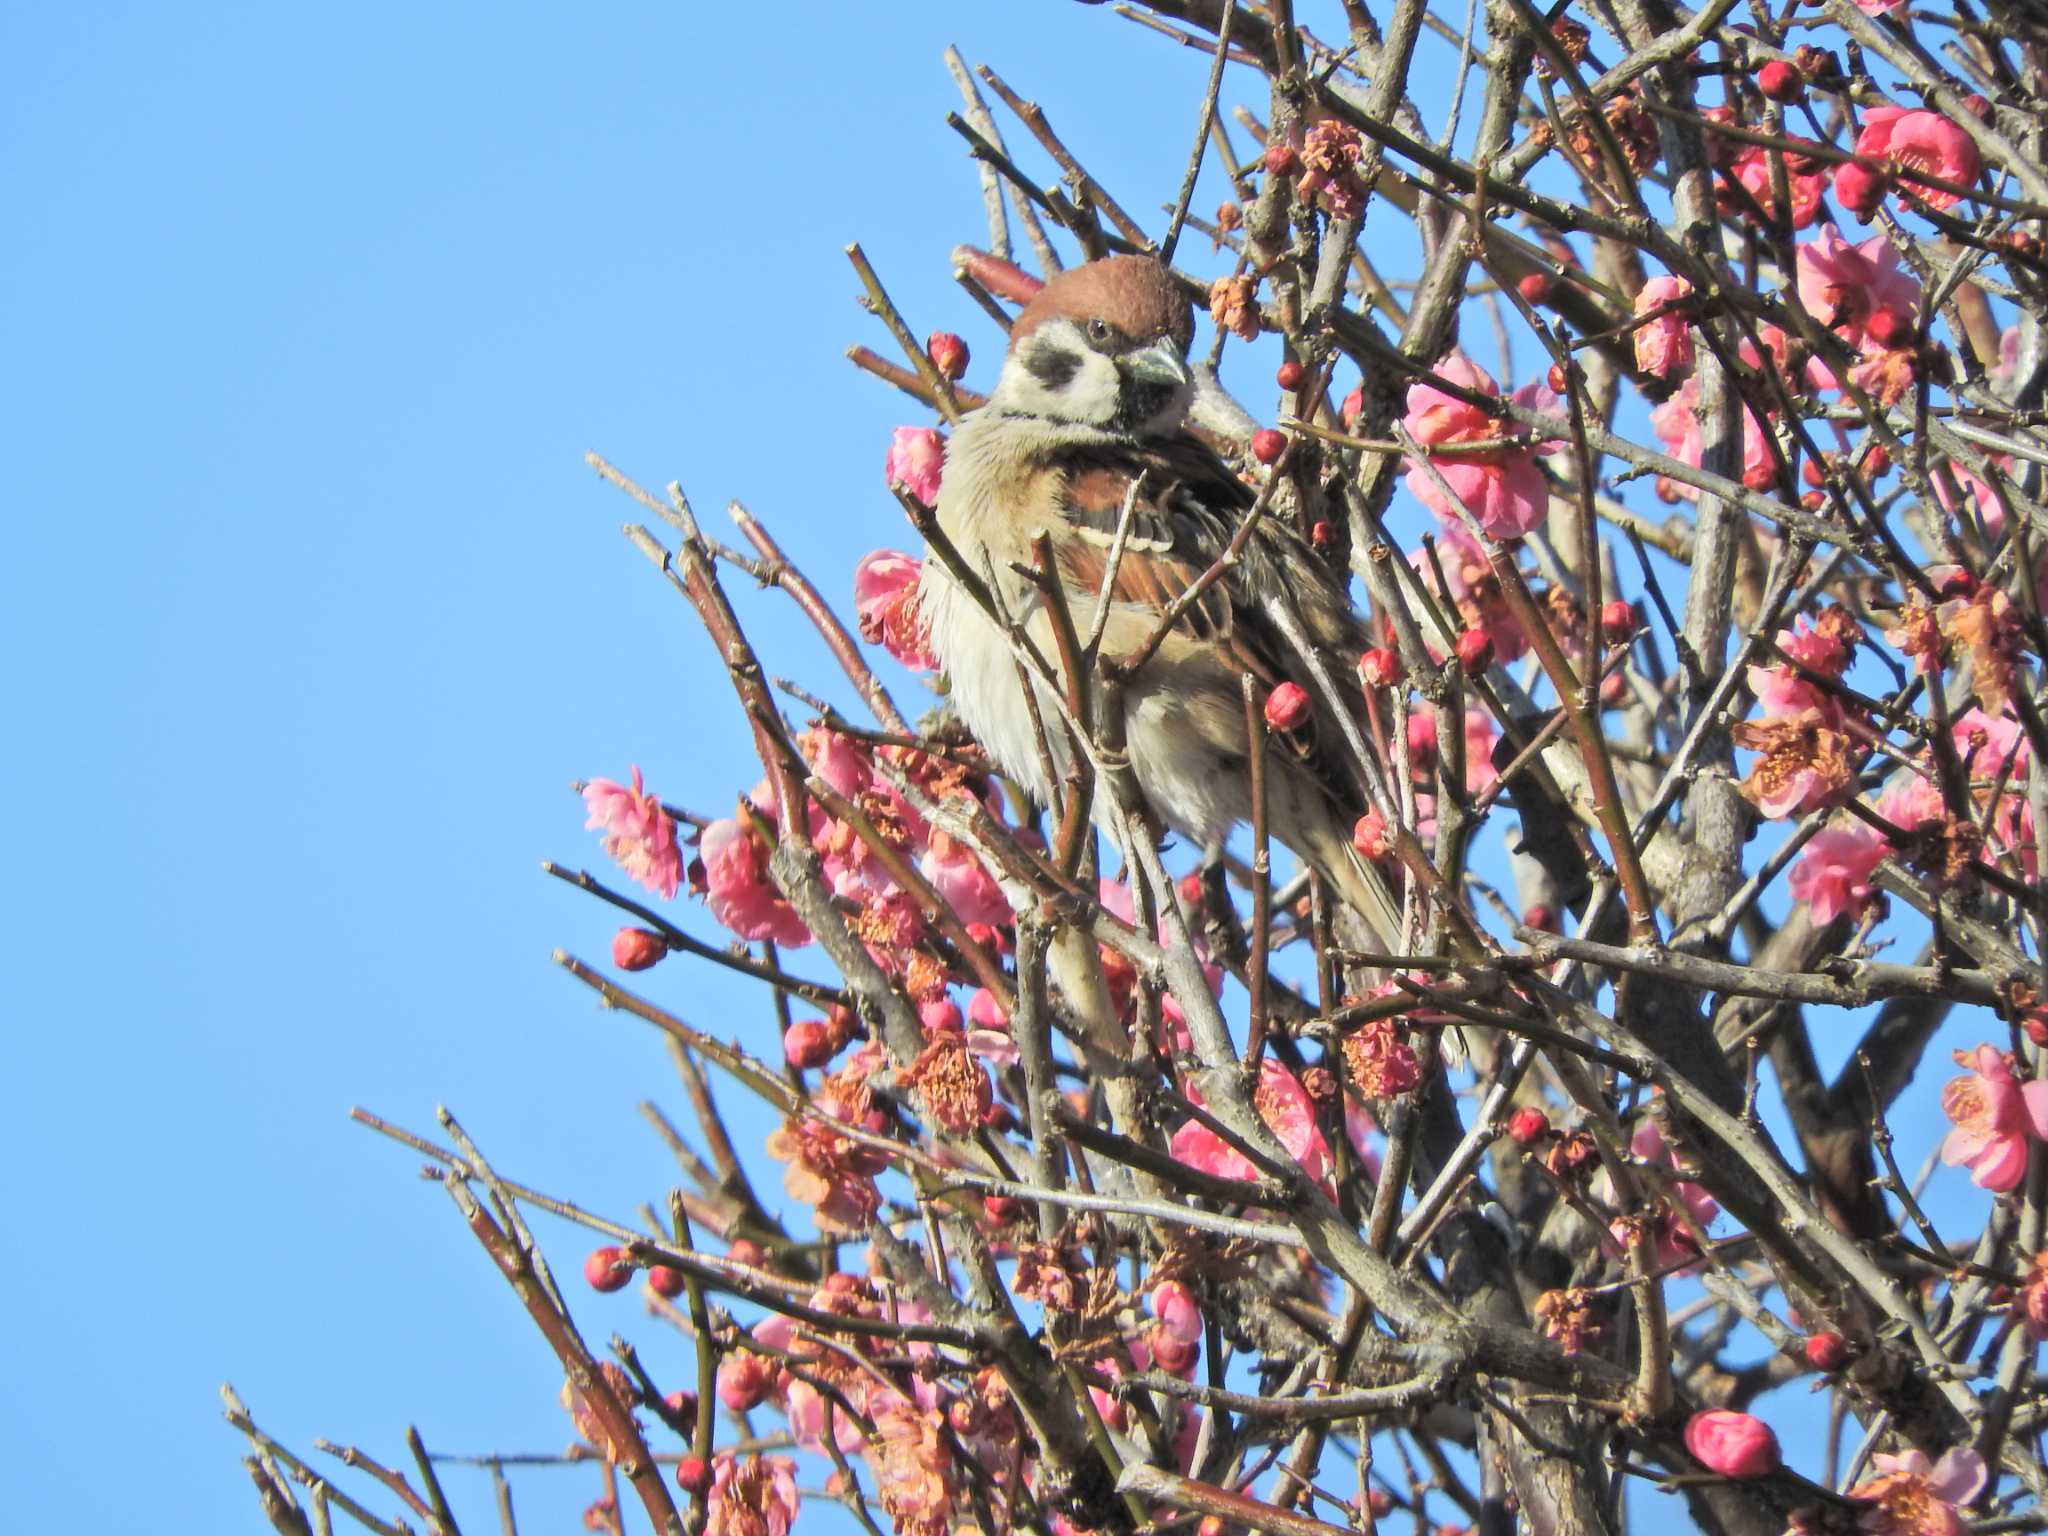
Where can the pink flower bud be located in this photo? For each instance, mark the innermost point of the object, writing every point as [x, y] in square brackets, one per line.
[948, 354]
[665, 1281]
[1288, 707]
[635, 949]
[1528, 1125]
[743, 1381]
[1369, 836]
[1858, 188]
[1826, 1351]
[807, 1044]
[748, 1252]
[1379, 667]
[1538, 915]
[1732, 1444]
[1352, 408]
[608, 1269]
[1174, 1356]
[940, 1016]
[1536, 288]
[1475, 651]
[693, 1477]
[1268, 445]
[1290, 374]
[683, 1405]
[1618, 619]
[1781, 82]
[1321, 534]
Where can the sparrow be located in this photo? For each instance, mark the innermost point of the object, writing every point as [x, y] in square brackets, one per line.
[1091, 412]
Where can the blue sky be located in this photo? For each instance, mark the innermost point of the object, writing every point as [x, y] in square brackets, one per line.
[312, 614]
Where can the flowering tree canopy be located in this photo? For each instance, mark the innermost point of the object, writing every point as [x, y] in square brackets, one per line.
[1107, 1186]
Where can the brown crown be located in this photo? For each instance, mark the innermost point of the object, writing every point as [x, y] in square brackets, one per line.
[1135, 294]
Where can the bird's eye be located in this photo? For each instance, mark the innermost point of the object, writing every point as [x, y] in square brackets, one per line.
[1098, 330]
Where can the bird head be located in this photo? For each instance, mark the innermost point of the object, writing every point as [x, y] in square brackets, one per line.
[1104, 345]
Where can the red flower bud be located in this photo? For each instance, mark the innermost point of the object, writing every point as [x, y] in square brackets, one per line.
[1732, 1444]
[693, 1477]
[1781, 82]
[1618, 619]
[1288, 707]
[1814, 501]
[1826, 1351]
[1291, 374]
[1812, 473]
[683, 1405]
[807, 1044]
[1536, 288]
[1475, 651]
[1171, 1354]
[1979, 105]
[635, 949]
[1380, 1502]
[1369, 836]
[666, 1282]
[1528, 1125]
[608, 1269]
[746, 1251]
[1875, 461]
[1001, 1210]
[1212, 1525]
[948, 353]
[1282, 159]
[1888, 328]
[1379, 667]
[1556, 379]
[1268, 445]
[1352, 408]
[1539, 916]
[1321, 534]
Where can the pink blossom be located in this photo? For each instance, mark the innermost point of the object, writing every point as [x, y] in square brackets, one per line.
[1289, 1114]
[741, 894]
[1832, 876]
[958, 876]
[885, 599]
[1677, 425]
[638, 832]
[1732, 1444]
[1843, 286]
[1878, 7]
[754, 1497]
[1671, 1235]
[1994, 1115]
[1502, 488]
[1474, 587]
[1923, 141]
[916, 459]
[1913, 1498]
[1781, 691]
[1663, 345]
[1986, 741]
[1480, 735]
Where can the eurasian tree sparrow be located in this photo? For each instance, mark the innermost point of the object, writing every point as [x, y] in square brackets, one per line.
[1092, 401]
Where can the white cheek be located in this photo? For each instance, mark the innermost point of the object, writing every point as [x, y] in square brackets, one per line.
[1095, 392]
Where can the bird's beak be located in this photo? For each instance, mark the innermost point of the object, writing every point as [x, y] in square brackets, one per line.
[1160, 363]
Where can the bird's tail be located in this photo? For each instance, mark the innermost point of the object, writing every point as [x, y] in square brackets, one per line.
[1316, 835]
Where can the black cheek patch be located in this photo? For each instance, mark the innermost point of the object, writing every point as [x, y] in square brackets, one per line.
[1052, 367]
[1139, 401]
